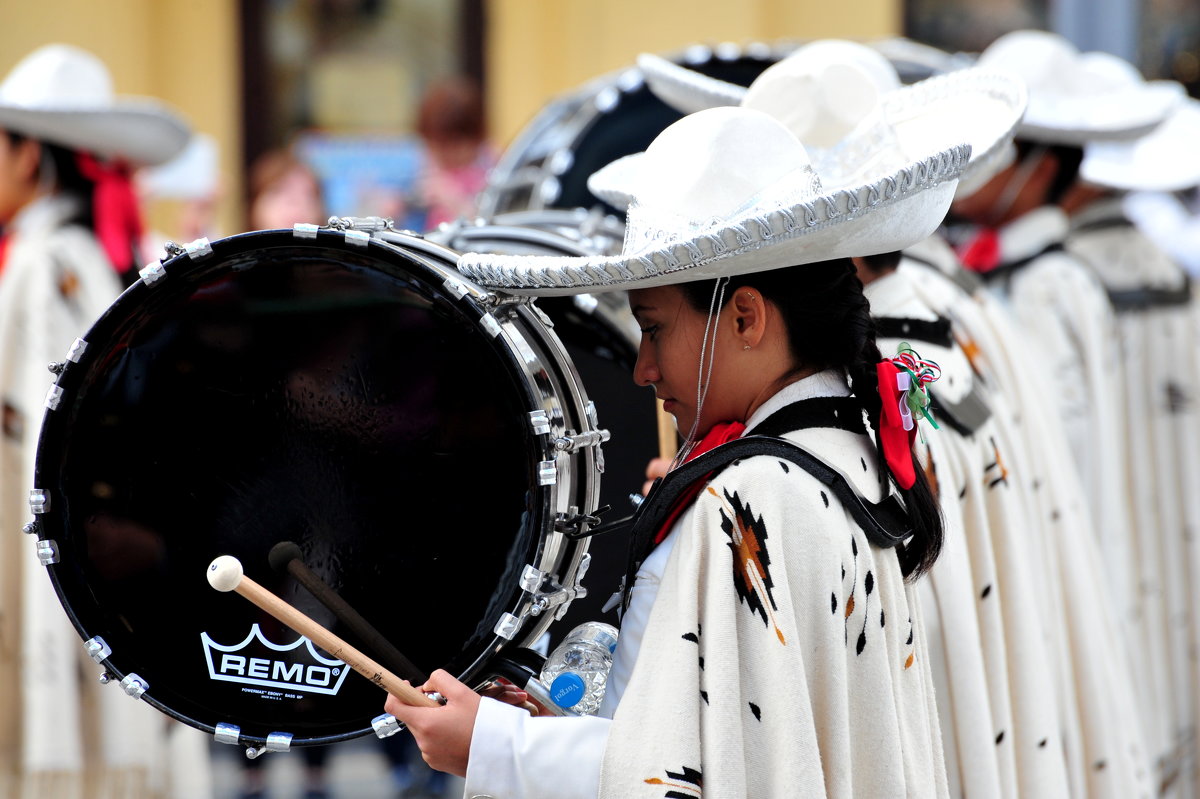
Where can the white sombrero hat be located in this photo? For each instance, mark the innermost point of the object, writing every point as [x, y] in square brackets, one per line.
[1163, 160]
[731, 190]
[63, 95]
[1076, 98]
[844, 101]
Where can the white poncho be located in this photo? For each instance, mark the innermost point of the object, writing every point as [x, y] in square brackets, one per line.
[785, 654]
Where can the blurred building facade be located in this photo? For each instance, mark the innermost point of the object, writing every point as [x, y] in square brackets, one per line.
[258, 74]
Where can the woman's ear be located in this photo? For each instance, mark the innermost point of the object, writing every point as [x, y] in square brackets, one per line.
[28, 160]
[749, 316]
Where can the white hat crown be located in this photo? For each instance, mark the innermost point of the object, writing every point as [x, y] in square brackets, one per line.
[58, 77]
[1074, 97]
[701, 168]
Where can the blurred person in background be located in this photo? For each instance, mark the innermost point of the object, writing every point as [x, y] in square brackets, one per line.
[71, 229]
[188, 187]
[450, 123]
[283, 191]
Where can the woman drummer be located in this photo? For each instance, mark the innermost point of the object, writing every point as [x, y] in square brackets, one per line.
[772, 644]
[70, 226]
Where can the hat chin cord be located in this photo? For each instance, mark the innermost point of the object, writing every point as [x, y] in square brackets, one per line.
[708, 353]
[1016, 183]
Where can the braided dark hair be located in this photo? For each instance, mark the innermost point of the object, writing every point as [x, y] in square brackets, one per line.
[829, 325]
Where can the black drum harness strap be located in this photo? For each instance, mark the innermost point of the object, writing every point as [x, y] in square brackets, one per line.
[885, 523]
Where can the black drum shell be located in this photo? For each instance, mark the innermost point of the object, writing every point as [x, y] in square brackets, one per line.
[330, 393]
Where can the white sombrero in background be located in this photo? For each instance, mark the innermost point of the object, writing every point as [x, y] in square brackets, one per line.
[844, 101]
[730, 191]
[1166, 159]
[1076, 98]
[64, 95]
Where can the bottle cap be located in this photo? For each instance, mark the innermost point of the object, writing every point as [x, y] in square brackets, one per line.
[567, 689]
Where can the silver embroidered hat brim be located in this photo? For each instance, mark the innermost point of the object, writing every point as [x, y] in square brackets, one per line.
[983, 107]
[884, 215]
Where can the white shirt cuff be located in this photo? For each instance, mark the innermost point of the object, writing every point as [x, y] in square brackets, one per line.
[517, 756]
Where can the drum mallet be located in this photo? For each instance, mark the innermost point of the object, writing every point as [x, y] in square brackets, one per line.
[287, 557]
[225, 574]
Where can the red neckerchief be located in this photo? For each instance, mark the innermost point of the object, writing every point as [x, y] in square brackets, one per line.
[5, 243]
[982, 253]
[720, 433]
[114, 209]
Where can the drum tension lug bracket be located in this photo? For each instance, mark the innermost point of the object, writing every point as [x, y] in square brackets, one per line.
[548, 593]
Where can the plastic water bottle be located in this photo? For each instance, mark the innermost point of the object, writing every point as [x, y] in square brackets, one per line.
[577, 670]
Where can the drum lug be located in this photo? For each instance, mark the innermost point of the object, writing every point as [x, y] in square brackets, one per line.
[540, 422]
[47, 552]
[456, 287]
[39, 501]
[106, 677]
[152, 273]
[227, 734]
[97, 649]
[134, 685]
[55, 394]
[386, 725]
[198, 249]
[31, 528]
[77, 349]
[279, 742]
[305, 230]
[490, 324]
[507, 627]
[56, 367]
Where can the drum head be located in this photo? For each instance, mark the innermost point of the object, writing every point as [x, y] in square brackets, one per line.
[330, 395]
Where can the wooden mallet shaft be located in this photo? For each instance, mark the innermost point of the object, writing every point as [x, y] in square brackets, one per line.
[668, 437]
[286, 556]
[225, 574]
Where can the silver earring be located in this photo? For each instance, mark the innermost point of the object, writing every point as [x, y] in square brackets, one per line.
[746, 347]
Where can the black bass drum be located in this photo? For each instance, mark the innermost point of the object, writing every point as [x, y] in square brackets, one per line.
[548, 164]
[419, 440]
[601, 337]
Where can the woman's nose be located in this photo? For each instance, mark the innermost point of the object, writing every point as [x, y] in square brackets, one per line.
[645, 371]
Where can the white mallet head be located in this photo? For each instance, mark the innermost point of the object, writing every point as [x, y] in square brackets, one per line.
[224, 573]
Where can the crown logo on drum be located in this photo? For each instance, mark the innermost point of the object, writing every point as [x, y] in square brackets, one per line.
[296, 667]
